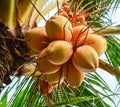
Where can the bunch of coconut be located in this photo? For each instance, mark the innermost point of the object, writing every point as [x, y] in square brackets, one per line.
[65, 52]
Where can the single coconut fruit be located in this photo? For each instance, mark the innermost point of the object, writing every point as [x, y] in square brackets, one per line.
[95, 41]
[44, 66]
[57, 77]
[37, 39]
[73, 76]
[58, 52]
[59, 28]
[85, 59]
[79, 31]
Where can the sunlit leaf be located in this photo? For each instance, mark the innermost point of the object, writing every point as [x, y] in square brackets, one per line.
[8, 13]
[39, 5]
[25, 10]
[48, 8]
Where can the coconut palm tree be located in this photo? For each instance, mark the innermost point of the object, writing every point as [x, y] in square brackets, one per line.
[20, 80]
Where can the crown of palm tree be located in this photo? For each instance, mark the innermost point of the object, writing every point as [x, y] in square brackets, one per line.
[17, 59]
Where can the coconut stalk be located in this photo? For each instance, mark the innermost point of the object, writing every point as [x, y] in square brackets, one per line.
[108, 68]
[109, 30]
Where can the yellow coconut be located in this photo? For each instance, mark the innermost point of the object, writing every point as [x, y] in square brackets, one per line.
[57, 77]
[44, 66]
[85, 59]
[95, 41]
[79, 31]
[59, 28]
[73, 76]
[36, 38]
[59, 52]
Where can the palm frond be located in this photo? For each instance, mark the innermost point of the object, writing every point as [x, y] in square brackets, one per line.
[51, 6]
[25, 10]
[9, 16]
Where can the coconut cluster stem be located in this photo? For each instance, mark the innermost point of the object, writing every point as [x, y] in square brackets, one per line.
[107, 67]
[108, 30]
